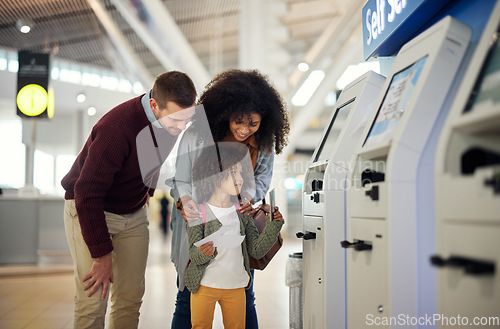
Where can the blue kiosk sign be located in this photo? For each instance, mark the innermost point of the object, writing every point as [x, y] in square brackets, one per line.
[388, 24]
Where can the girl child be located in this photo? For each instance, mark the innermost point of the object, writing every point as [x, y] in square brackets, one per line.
[239, 106]
[221, 274]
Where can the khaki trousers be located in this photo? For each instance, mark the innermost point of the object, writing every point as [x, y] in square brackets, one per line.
[232, 304]
[130, 236]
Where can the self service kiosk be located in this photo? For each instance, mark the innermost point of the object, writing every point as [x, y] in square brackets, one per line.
[381, 225]
[323, 204]
[467, 258]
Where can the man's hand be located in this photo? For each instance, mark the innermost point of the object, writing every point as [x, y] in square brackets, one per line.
[189, 209]
[207, 249]
[101, 273]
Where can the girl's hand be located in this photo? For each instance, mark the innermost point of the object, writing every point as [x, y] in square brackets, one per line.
[246, 204]
[246, 207]
[277, 215]
[208, 249]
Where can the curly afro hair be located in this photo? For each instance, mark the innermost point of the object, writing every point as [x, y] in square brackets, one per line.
[234, 93]
[213, 165]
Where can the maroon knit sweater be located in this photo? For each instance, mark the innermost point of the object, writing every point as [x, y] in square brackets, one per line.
[106, 175]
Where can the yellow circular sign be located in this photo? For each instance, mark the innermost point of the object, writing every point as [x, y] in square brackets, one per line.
[32, 99]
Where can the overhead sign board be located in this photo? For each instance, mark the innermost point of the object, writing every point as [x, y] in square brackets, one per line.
[388, 24]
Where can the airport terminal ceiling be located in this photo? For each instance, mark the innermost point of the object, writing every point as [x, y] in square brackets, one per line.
[72, 30]
[104, 33]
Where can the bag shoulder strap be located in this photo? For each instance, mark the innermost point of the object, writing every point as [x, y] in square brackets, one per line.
[203, 211]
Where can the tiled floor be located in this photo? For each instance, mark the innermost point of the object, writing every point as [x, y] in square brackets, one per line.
[42, 297]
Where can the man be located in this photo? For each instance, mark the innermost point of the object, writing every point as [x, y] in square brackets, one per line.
[105, 211]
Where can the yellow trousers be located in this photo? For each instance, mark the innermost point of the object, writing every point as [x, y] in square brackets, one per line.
[232, 304]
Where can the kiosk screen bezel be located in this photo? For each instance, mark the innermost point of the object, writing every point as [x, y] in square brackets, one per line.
[417, 67]
[317, 157]
[490, 67]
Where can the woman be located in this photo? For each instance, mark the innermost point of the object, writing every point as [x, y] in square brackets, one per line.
[239, 106]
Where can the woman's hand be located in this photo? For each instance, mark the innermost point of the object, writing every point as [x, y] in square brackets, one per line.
[262, 207]
[207, 249]
[266, 208]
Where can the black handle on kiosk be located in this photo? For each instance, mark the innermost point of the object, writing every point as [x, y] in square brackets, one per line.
[373, 193]
[307, 236]
[358, 245]
[315, 197]
[494, 183]
[471, 266]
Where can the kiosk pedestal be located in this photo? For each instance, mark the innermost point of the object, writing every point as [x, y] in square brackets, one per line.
[381, 202]
[324, 205]
[468, 193]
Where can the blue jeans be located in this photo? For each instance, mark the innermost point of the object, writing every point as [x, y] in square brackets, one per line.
[182, 313]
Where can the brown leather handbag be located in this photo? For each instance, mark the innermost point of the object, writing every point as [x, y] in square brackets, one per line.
[259, 220]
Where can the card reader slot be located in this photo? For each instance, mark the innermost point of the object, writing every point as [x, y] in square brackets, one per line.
[317, 185]
[478, 157]
[370, 176]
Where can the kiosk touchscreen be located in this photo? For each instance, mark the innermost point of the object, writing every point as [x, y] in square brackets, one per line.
[467, 256]
[394, 103]
[381, 202]
[323, 204]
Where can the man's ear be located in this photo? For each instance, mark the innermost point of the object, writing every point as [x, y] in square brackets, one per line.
[153, 104]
